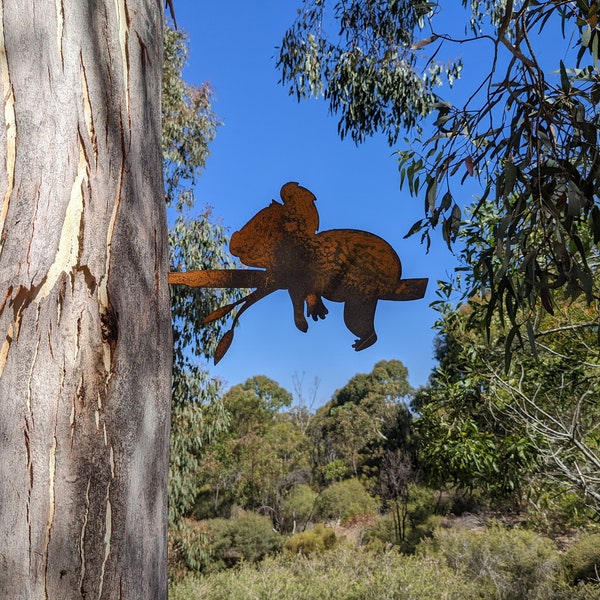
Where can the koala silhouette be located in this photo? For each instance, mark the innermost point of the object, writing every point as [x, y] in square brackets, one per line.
[342, 265]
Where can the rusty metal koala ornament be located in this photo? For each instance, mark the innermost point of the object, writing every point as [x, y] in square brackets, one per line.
[342, 265]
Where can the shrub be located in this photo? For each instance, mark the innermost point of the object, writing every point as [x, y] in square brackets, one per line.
[408, 520]
[344, 500]
[310, 542]
[248, 537]
[254, 537]
[298, 505]
[333, 471]
[383, 532]
[188, 548]
[559, 513]
[507, 564]
[214, 544]
[421, 518]
[581, 562]
[344, 573]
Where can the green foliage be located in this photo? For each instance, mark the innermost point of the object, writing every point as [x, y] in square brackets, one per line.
[196, 242]
[258, 457]
[270, 392]
[407, 523]
[254, 404]
[455, 449]
[557, 512]
[344, 573]
[367, 73]
[505, 564]
[189, 124]
[336, 470]
[352, 429]
[382, 533]
[189, 550]
[581, 562]
[395, 477]
[481, 568]
[388, 380]
[197, 411]
[583, 591]
[298, 506]
[365, 417]
[194, 426]
[502, 431]
[421, 507]
[246, 538]
[344, 500]
[312, 541]
[529, 134]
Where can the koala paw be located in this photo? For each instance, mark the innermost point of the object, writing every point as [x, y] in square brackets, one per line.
[315, 307]
[365, 342]
[300, 322]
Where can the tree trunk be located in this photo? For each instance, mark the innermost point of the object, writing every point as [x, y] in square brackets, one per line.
[85, 333]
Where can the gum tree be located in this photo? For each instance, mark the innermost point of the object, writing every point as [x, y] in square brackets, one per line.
[86, 350]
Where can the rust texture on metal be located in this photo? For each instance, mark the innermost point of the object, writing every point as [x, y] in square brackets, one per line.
[342, 265]
[221, 278]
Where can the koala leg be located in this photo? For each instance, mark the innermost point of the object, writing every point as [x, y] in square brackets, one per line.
[315, 307]
[298, 304]
[359, 316]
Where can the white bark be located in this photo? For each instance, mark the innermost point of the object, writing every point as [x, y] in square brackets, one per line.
[85, 335]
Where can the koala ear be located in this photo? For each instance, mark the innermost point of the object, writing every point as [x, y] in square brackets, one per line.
[292, 193]
[301, 202]
[287, 191]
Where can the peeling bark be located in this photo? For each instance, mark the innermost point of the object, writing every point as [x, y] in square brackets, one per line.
[85, 334]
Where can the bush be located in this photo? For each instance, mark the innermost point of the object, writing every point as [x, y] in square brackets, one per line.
[421, 518]
[188, 548]
[248, 538]
[408, 521]
[344, 573]
[333, 471]
[581, 562]
[298, 506]
[215, 544]
[311, 542]
[383, 532]
[422, 503]
[506, 564]
[344, 500]
[559, 513]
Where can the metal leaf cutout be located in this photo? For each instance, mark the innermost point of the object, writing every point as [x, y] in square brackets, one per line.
[221, 312]
[341, 265]
[223, 345]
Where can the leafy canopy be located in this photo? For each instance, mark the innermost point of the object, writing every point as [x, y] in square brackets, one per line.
[196, 242]
[529, 428]
[525, 138]
[367, 73]
[365, 417]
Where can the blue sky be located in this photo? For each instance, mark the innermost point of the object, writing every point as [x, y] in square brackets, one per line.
[267, 139]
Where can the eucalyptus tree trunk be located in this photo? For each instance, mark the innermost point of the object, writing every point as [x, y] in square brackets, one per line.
[85, 333]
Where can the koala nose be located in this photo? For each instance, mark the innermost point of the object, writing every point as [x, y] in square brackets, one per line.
[235, 244]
